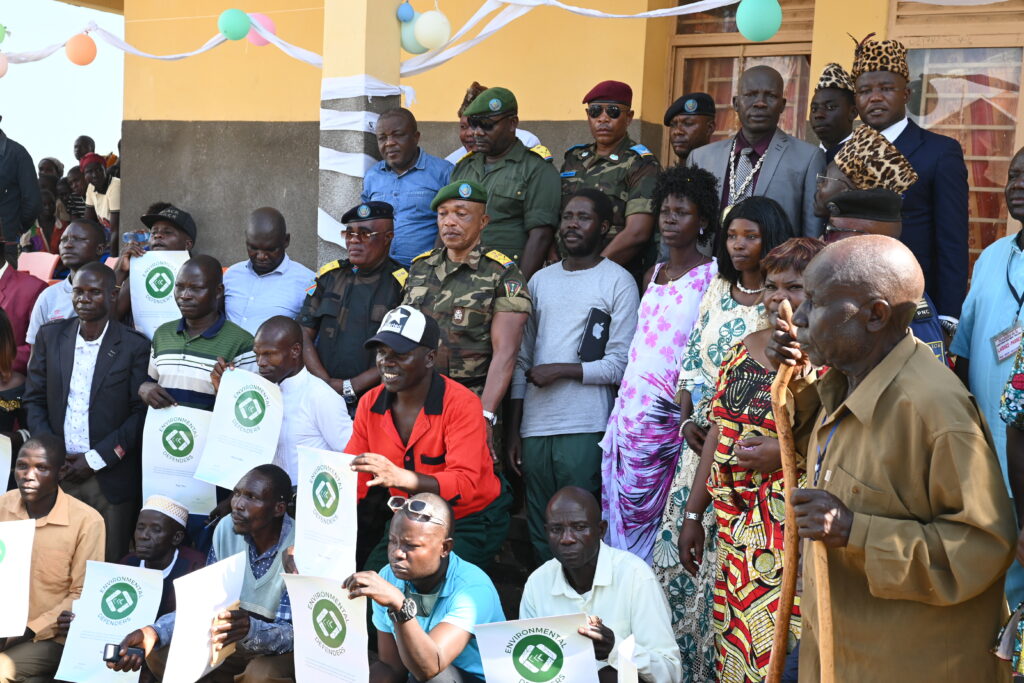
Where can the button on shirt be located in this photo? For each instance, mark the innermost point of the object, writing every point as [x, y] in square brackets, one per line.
[316, 417]
[251, 299]
[53, 304]
[410, 194]
[625, 595]
[76, 419]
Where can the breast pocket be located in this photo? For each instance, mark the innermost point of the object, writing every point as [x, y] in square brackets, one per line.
[856, 494]
[416, 295]
[506, 199]
[414, 199]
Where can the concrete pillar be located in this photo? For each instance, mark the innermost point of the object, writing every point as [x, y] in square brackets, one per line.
[360, 37]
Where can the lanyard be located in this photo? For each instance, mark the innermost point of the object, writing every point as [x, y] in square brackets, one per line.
[823, 450]
[1017, 296]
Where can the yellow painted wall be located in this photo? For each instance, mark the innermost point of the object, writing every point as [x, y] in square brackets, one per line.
[833, 20]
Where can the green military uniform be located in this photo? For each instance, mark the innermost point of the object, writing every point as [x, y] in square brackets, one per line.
[463, 298]
[345, 306]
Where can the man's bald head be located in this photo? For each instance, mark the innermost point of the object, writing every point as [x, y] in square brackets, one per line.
[206, 267]
[575, 496]
[879, 266]
[267, 221]
[762, 73]
[278, 349]
[266, 239]
[574, 527]
[280, 329]
[439, 509]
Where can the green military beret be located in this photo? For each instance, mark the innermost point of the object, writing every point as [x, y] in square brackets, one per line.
[461, 189]
[491, 102]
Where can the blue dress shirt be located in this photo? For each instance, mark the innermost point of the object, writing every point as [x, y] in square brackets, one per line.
[251, 299]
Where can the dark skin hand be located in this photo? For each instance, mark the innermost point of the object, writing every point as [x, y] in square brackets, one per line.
[154, 395]
[759, 453]
[544, 375]
[64, 620]
[603, 637]
[144, 638]
[78, 469]
[513, 439]
[229, 626]
[820, 516]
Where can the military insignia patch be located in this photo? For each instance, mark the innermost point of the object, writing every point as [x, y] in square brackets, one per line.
[568, 174]
[311, 288]
[458, 314]
[512, 288]
[465, 190]
[613, 157]
[494, 104]
[363, 211]
[641, 150]
[690, 106]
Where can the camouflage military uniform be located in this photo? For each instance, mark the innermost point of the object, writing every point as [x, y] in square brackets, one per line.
[522, 194]
[463, 298]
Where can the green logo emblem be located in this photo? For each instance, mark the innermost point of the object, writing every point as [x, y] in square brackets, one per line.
[178, 440]
[160, 282]
[3, 550]
[250, 407]
[537, 658]
[325, 494]
[119, 601]
[329, 624]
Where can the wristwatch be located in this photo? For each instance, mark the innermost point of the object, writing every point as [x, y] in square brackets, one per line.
[347, 392]
[692, 516]
[490, 417]
[403, 615]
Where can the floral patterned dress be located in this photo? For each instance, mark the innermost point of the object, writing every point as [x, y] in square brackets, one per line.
[641, 444]
[1011, 403]
[723, 322]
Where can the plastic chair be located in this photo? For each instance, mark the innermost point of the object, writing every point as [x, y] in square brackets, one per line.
[38, 263]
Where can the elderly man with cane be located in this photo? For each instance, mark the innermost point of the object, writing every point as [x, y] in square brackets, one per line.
[908, 496]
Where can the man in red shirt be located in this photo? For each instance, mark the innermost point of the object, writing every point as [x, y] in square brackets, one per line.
[420, 431]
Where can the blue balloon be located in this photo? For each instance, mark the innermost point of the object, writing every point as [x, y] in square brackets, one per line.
[759, 20]
[409, 42]
[406, 13]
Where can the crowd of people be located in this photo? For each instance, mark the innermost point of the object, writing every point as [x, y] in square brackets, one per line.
[592, 349]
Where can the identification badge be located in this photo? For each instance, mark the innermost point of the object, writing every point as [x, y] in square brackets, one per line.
[458, 314]
[1006, 343]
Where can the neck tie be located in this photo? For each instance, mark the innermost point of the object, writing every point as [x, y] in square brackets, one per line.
[744, 167]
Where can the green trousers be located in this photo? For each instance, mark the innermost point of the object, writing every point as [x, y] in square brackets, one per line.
[551, 463]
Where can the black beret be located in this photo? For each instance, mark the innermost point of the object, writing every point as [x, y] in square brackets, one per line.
[368, 211]
[691, 104]
[876, 204]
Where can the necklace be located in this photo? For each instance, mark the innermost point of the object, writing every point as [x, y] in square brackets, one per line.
[749, 291]
[736, 194]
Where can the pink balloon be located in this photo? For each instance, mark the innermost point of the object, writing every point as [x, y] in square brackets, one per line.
[264, 21]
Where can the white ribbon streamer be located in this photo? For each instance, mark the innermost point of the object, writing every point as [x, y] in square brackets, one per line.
[293, 51]
[114, 41]
[350, 163]
[328, 228]
[358, 121]
[362, 85]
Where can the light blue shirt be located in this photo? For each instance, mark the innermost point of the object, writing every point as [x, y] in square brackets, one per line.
[466, 598]
[988, 310]
[409, 194]
[251, 299]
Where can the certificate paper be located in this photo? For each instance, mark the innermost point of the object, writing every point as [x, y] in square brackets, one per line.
[243, 430]
[330, 631]
[151, 283]
[116, 600]
[537, 651]
[325, 536]
[15, 572]
[172, 441]
[200, 596]
[625, 664]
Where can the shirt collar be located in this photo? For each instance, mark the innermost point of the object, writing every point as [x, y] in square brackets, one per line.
[759, 148]
[602, 574]
[840, 144]
[433, 405]
[864, 399]
[894, 131]
[281, 267]
[58, 513]
[286, 527]
[3, 269]
[82, 342]
[624, 144]
[295, 380]
[419, 164]
[166, 571]
[210, 332]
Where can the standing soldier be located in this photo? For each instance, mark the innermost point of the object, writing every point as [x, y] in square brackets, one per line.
[691, 123]
[620, 168]
[521, 186]
[478, 297]
[347, 302]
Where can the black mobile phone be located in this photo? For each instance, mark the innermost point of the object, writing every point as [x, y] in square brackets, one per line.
[111, 650]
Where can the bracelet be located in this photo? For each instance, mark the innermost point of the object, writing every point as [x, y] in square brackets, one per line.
[692, 516]
[687, 421]
[491, 418]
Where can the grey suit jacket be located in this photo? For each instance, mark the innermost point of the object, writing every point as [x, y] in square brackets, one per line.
[788, 175]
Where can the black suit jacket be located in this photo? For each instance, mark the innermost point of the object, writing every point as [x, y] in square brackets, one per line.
[935, 221]
[116, 413]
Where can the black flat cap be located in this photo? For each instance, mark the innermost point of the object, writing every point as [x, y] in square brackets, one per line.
[876, 204]
[691, 104]
[368, 211]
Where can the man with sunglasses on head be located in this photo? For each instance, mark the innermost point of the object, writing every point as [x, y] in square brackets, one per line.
[427, 600]
[620, 168]
[347, 301]
[421, 432]
[522, 187]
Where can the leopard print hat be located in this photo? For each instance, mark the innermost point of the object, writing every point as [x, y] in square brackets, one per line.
[834, 76]
[870, 161]
[880, 55]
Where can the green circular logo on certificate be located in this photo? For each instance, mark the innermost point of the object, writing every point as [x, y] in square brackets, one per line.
[325, 494]
[119, 601]
[178, 440]
[250, 407]
[160, 282]
[3, 551]
[329, 624]
[537, 658]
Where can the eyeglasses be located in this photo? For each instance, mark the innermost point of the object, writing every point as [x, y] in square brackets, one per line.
[360, 235]
[486, 124]
[822, 179]
[417, 507]
[614, 111]
[833, 232]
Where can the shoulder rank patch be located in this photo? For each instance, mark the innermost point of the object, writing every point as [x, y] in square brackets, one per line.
[512, 288]
[642, 150]
[568, 174]
[924, 311]
[464, 157]
[496, 255]
[579, 146]
[423, 255]
[328, 267]
[401, 275]
[542, 151]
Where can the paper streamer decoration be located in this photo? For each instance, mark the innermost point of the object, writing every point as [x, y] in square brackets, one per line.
[362, 85]
[359, 121]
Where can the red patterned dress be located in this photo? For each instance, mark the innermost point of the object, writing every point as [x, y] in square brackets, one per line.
[749, 509]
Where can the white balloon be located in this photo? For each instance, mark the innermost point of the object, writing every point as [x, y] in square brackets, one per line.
[432, 29]
[3, 65]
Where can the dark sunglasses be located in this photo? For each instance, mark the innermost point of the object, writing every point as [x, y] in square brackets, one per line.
[833, 233]
[362, 235]
[416, 507]
[614, 111]
[485, 124]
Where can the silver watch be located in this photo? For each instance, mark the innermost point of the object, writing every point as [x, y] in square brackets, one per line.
[490, 417]
[403, 615]
[692, 516]
[347, 392]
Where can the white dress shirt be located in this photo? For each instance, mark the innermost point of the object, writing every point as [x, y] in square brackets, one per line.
[315, 415]
[76, 419]
[166, 571]
[893, 131]
[251, 299]
[54, 303]
[841, 142]
[626, 596]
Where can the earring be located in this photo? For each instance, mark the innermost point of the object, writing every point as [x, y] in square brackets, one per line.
[702, 229]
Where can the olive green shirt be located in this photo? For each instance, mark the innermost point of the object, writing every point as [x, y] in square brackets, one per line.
[463, 298]
[523, 193]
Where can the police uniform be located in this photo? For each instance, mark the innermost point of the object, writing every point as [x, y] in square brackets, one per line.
[522, 187]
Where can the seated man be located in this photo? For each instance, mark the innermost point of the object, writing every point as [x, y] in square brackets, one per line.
[427, 600]
[262, 626]
[423, 432]
[269, 283]
[68, 534]
[616, 589]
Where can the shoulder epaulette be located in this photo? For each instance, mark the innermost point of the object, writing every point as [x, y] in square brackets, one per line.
[328, 267]
[542, 151]
[401, 275]
[423, 255]
[582, 144]
[642, 150]
[496, 255]
[464, 157]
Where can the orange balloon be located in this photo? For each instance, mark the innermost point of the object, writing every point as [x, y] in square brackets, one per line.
[80, 49]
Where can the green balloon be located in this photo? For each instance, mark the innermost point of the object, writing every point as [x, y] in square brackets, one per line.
[3, 32]
[759, 20]
[409, 42]
[234, 24]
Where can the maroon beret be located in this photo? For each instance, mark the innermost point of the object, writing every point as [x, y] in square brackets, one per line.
[610, 91]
